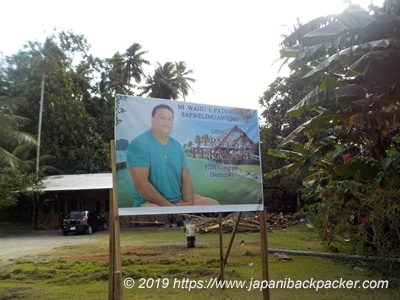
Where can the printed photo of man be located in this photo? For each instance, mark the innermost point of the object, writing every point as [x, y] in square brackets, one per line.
[158, 166]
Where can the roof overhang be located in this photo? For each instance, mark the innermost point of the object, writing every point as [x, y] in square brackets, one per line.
[96, 181]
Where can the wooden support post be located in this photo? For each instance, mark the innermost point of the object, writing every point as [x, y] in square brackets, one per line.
[264, 251]
[111, 254]
[114, 274]
[234, 230]
[221, 250]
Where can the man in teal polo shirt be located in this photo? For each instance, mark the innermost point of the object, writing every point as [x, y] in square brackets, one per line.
[158, 166]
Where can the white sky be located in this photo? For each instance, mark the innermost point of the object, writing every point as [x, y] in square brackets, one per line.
[230, 44]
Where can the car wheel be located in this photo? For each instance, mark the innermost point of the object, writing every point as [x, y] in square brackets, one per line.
[89, 229]
[64, 232]
[105, 226]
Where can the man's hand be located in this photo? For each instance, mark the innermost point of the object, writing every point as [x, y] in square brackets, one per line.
[140, 177]
[187, 187]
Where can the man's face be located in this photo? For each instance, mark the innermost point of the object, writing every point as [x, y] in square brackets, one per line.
[163, 121]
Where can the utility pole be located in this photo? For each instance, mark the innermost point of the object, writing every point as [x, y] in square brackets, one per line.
[39, 128]
[36, 201]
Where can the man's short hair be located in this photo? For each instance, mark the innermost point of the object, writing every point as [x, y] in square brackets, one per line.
[153, 113]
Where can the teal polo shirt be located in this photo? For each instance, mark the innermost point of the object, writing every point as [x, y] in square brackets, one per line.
[165, 164]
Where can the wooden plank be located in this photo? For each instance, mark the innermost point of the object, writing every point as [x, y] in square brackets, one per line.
[264, 251]
[111, 251]
[221, 250]
[234, 230]
[133, 223]
[115, 273]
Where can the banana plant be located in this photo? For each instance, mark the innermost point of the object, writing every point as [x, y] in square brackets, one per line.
[352, 60]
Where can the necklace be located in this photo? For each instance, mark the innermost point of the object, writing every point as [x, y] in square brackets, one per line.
[165, 150]
[163, 147]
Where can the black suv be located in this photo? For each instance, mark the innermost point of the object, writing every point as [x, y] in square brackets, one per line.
[83, 222]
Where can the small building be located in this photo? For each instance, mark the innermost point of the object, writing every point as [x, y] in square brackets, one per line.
[64, 193]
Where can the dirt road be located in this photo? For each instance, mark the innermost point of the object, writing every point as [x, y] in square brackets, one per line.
[32, 244]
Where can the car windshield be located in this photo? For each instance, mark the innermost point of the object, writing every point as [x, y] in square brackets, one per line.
[75, 215]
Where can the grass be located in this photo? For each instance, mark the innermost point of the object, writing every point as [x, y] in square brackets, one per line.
[7, 229]
[158, 256]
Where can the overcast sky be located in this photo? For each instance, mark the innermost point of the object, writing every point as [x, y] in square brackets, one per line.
[231, 45]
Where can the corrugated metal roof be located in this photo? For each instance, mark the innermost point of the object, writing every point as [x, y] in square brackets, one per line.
[95, 181]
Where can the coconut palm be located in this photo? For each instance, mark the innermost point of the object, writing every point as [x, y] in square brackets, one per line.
[169, 81]
[134, 63]
[15, 145]
[183, 79]
[121, 70]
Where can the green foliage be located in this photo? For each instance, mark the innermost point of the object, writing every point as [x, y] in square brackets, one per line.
[78, 100]
[357, 217]
[169, 81]
[356, 98]
[13, 182]
[15, 145]
[349, 131]
[280, 194]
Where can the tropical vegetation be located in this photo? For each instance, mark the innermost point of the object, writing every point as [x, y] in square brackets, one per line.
[343, 147]
[16, 148]
[330, 131]
[61, 83]
[57, 108]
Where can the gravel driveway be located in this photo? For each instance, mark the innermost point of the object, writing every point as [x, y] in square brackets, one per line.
[31, 244]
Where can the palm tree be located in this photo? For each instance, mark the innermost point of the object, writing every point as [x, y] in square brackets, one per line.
[169, 81]
[15, 145]
[163, 83]
[183, 79]
[120, 70]
[134, 63]
[16, 153]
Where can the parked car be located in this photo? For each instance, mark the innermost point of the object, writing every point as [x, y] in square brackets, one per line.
[83, 222]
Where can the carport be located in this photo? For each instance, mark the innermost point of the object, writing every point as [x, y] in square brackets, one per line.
[63, 193]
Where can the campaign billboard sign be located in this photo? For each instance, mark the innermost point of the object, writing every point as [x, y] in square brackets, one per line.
[180, 157]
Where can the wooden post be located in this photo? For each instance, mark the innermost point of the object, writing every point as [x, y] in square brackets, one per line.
[221, 250]
[114, 274]
[111, 254]
[231, 241]
[264, 251]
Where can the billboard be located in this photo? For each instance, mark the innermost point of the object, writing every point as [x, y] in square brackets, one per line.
[181, 157]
